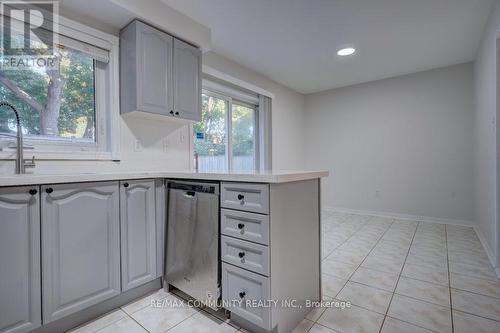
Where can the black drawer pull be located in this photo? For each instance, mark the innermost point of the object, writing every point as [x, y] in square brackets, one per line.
[177, 113]
[33, 192]
[241, 226]
[241, 197]
[49, 190]
[172, 112]
[243, 294]
[125, 184]
[241, 254]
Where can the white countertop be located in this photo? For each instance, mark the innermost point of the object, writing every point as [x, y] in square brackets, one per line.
[254, 177]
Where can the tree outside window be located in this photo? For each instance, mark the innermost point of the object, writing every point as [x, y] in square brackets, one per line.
[53, 103]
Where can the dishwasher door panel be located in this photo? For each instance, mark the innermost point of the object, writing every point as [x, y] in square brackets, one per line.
[193, 243]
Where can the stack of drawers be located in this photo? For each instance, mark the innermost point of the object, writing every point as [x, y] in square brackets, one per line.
[245, 250]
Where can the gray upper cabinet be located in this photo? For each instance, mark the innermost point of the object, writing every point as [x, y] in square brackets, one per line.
[138, 232]
[20, 299]
[187, 80]
[146, 69]
[80, 246]
[159, 73]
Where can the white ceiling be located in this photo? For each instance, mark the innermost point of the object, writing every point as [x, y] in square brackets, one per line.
[294, 42]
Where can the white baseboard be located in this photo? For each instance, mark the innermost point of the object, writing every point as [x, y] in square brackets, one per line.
[401, 216]
[482, 239]
[488, 250]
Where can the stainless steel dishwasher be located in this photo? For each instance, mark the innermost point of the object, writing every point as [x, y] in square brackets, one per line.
[192, 258]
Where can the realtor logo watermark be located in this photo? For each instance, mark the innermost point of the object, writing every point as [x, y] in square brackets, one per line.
[29, 34]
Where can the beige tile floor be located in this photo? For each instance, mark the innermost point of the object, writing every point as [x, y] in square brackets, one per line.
[400, 276]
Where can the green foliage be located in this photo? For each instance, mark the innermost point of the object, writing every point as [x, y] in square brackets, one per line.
[243, 130]
[213, 125]
[78, 100]
[77, 115]
[36, 86]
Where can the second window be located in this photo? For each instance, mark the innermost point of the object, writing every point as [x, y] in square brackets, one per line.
[225, 139]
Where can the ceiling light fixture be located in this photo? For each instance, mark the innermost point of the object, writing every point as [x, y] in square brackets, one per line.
[346, 51]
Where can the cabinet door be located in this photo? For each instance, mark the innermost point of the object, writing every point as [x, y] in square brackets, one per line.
[138, 232]
[154, 70]
[20, 298]
[161, 221]
[80, 246]
[187, 81]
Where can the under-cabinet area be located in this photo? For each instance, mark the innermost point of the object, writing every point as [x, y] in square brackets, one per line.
[75, 247]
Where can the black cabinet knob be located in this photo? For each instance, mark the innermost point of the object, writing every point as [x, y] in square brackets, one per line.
[241, 254]
[33, 192]
[243, 294]
[177, 113]
[241, 197]
[125, 184]
[172, 112]
[241, 226]
[49, 190]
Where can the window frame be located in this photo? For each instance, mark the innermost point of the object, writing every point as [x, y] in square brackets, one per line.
[107, 131]
[229, 130]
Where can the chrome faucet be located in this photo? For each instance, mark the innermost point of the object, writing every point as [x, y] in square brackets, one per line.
[21, 164]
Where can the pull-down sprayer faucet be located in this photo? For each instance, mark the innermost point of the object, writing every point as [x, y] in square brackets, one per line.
[21, 164]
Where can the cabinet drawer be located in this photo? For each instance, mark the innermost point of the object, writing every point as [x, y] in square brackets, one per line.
[247, 226]
[239, 288]
[246, 255]
[247, 197]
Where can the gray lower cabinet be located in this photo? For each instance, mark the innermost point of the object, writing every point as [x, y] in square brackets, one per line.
[160, 225]
[138, 232]
[20, 300]
[241, 288]
[270, 250]
[80, 246]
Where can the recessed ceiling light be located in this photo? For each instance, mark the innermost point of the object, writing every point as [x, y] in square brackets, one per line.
[346, 51]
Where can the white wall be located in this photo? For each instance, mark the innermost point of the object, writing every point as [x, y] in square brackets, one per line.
[153, 157]
[287, 112]
[401, 145]
[485, 137]
[287, 130]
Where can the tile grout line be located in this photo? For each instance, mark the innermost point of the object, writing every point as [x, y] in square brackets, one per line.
[347, 280]
[475, 293]
[479, 316]
[449, 278]
[169, 294]
[399, 277]
[336, 247]
[130, 315]
[136, 322]
[329, 253]
[96, 319]
[412, 324]
[359, 265]
[184, 301]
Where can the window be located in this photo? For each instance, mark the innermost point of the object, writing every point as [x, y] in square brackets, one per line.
[225, 139]
[52, 104]
[243, 123]
[71, 112]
